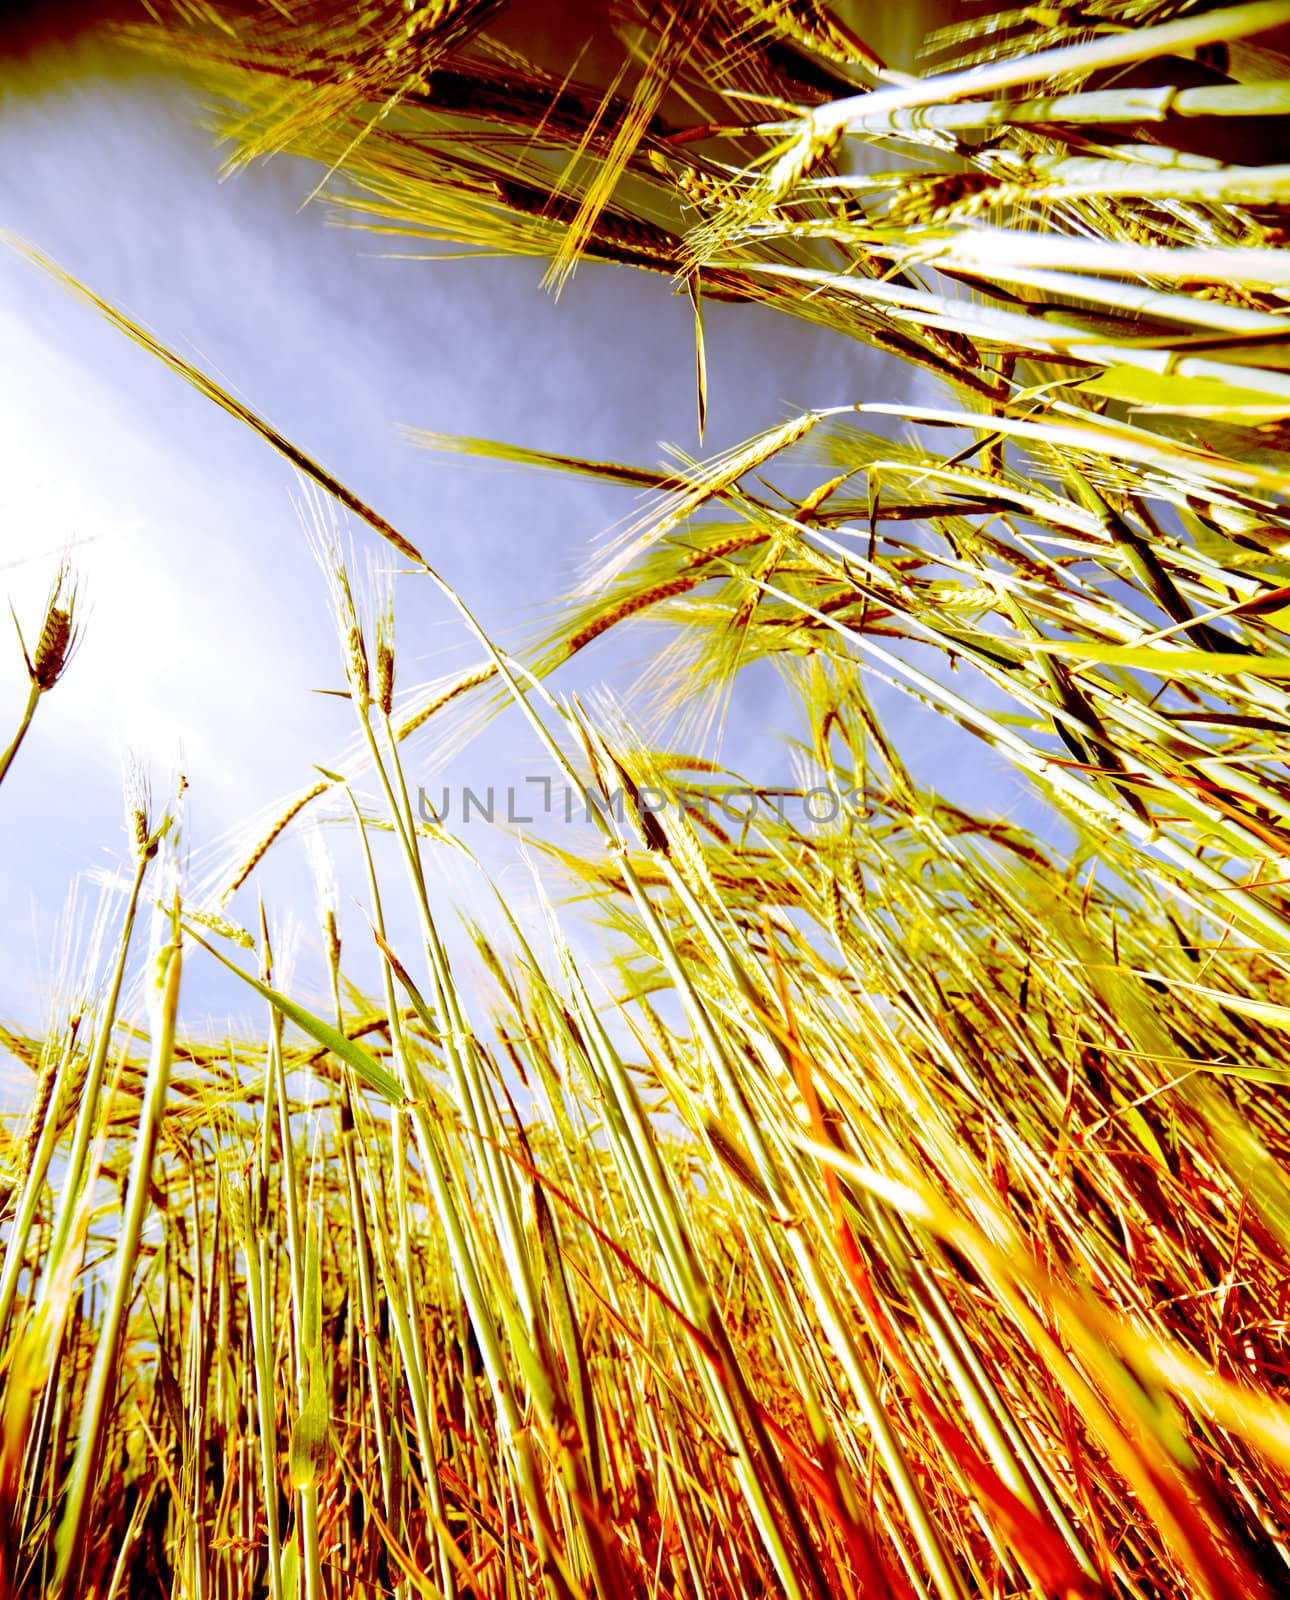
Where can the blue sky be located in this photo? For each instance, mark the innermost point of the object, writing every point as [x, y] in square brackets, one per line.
[206, 624]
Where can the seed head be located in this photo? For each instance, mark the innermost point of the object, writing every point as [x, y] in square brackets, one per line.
[949, 194]
[324, 536]
[58, 634]
[384, 676]
[40, 1108]
[219, 925]
[356, 666]
[52, 648]
[328, 892]
[138, 813]
[381, 587]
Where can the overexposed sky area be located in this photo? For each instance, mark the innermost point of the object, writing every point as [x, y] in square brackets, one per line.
[206, 624]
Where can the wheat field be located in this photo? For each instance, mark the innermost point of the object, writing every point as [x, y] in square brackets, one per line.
[896, 1201]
